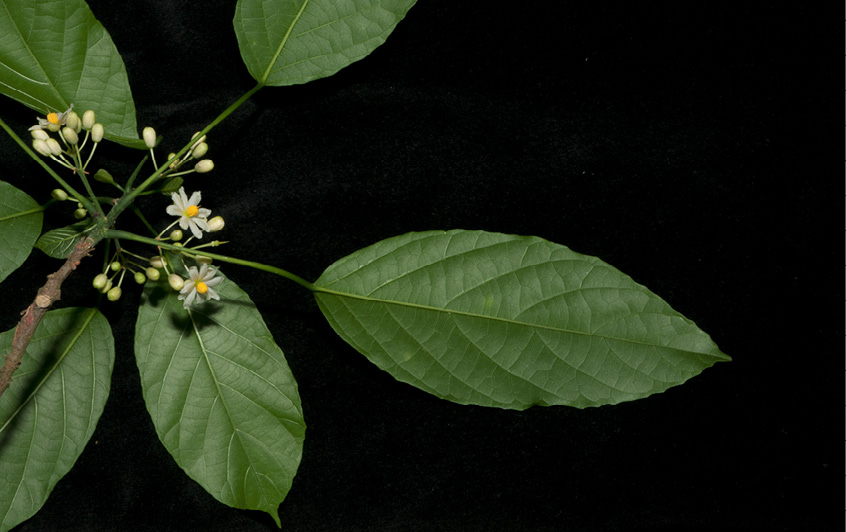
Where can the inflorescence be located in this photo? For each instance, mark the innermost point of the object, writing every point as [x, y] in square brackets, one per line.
[58, 137]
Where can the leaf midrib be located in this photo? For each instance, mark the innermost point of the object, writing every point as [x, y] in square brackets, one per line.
[49, 82]
[55, 366]
[236, 432]
[419, 306]
[282, 44]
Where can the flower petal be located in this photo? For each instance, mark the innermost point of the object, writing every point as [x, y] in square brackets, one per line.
[189, 299]
[193, 225]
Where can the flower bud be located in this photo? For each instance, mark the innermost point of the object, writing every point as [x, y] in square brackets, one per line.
[79, 214]
[115, 266]
[69, 135]
[53, 144]
[152, 274]
[204, 166]
[97, 132]
[114, 294]
[140, 278]
[158, 261]
[199, 150]
[216, 224]
[72, 121]
[59, 194]
[107, 287]
[149, 135]
[176, 282]
[199, 140]
[100, 281]
[39, 133]
[88, 119]
[202, 259]
[41, 147]
[176, 235]
[103, 176]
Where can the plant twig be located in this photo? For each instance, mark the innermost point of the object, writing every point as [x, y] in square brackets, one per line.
[47, 295]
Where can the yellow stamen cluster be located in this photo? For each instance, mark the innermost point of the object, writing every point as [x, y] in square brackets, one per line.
[192, 211]
[202, 287]
[53, 118]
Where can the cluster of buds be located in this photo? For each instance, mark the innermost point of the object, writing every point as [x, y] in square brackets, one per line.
[198, 150]
[119, 266]
[69, 126]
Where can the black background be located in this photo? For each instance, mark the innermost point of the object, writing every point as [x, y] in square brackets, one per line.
[688, 144]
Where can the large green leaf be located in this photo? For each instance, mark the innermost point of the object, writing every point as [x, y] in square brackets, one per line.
[221, 395]
[54, 53]
[20, 225]
[49, 412]
[286, 42]
[509, 321]
[59, 243]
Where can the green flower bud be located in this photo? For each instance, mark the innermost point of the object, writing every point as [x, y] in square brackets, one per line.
[59, 194]
[149, 135]
[176, 235]
[202, 259]
[39, 133]
[100, 281]
[152, 274]
[158, 261]
[199, 150]
[107, 287]
[199, 140]
[79, 214]
[103, 176]
[176, 282]
[114, 294]
[70, 135]
[97, 132]
[140, 278]
[53, 144]
[204, 166]
[216, 224]
[88, 119]
[41, 147]
[73, 121]
[115, 266]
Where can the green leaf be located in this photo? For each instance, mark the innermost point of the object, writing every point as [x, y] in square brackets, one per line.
[20, 225]
[59, 243]
[221, 395]
[171, 185]
[509, 321]
[54, 53]
[51, 409]
[286, 42]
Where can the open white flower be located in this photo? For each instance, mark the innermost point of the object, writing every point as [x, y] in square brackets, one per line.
[192, 216]
[54, 121]
[200, 285]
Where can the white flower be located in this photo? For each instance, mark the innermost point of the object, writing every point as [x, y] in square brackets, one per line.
[200, 285]
[191, 214]
[54, 121]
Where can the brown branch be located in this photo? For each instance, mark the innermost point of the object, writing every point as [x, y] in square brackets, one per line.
[47, 295]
